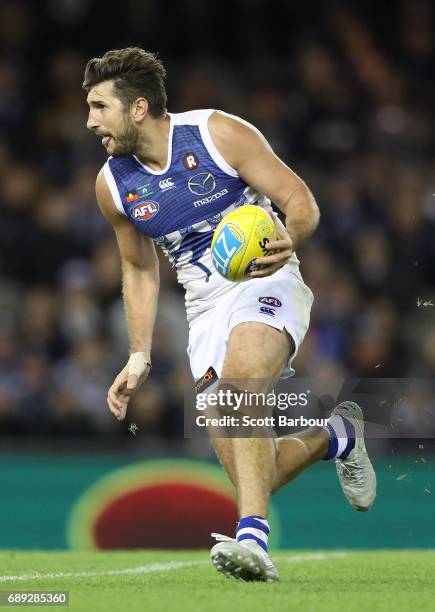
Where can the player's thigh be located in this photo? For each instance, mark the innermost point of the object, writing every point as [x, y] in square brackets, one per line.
[256, 351]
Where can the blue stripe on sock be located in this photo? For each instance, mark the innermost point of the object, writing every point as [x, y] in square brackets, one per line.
[251, 521]
[333, 443]
[350, 432]
[250, 536]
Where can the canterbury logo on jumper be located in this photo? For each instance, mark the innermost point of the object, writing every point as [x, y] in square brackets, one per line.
[167, 183]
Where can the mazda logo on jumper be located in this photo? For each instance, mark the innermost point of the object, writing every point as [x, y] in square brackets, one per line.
[202, 183]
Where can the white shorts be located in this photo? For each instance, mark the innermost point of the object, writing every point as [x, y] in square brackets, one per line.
[282, 301]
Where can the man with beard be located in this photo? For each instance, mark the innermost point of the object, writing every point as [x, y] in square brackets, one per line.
[168, 181]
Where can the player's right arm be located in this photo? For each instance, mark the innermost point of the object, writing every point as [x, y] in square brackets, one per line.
[140, 281]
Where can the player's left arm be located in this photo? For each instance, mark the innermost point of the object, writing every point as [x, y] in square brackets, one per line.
[247, 151]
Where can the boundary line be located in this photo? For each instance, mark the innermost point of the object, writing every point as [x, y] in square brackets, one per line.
[160, 567]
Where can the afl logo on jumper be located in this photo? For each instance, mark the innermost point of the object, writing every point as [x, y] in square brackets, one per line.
[144, 210]
[202, 183]
[270, 301]
[190, 161]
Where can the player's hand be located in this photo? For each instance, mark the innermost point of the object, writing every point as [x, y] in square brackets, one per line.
[126, 383]
[282, 250]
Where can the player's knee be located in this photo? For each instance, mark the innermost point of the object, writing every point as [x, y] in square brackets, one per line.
[243, 371]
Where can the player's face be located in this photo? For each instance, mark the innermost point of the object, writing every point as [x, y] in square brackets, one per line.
[109, 119]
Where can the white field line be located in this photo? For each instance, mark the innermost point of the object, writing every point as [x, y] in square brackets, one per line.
[157, 567]
[140, 569]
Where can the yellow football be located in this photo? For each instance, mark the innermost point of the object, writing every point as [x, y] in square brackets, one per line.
[241, 237]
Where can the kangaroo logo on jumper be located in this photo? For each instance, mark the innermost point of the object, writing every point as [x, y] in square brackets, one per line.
[166, 184]
[202, 183]
[228, 242]
[198, 243]
[144, 211]
[270, 301]
[143, 190]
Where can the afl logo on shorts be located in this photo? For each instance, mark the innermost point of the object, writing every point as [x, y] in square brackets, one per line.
[270, 301]
[145, 210]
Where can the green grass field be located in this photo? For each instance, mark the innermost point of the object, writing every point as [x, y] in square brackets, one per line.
[170, 581]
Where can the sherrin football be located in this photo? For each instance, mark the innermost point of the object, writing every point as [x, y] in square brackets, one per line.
[241, 237]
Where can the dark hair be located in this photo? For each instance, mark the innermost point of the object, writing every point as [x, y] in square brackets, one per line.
[135, 73]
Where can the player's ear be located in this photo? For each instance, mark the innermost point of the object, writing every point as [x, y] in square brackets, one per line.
[139, 109]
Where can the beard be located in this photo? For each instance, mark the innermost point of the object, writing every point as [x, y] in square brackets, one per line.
[126, 142]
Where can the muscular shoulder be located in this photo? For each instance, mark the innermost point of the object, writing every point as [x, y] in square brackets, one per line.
[105, 199]
[235, 138]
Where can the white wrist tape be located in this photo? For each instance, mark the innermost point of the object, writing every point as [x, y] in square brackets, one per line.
[137, 364]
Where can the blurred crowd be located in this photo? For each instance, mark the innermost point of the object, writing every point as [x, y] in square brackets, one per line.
[345, 99]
